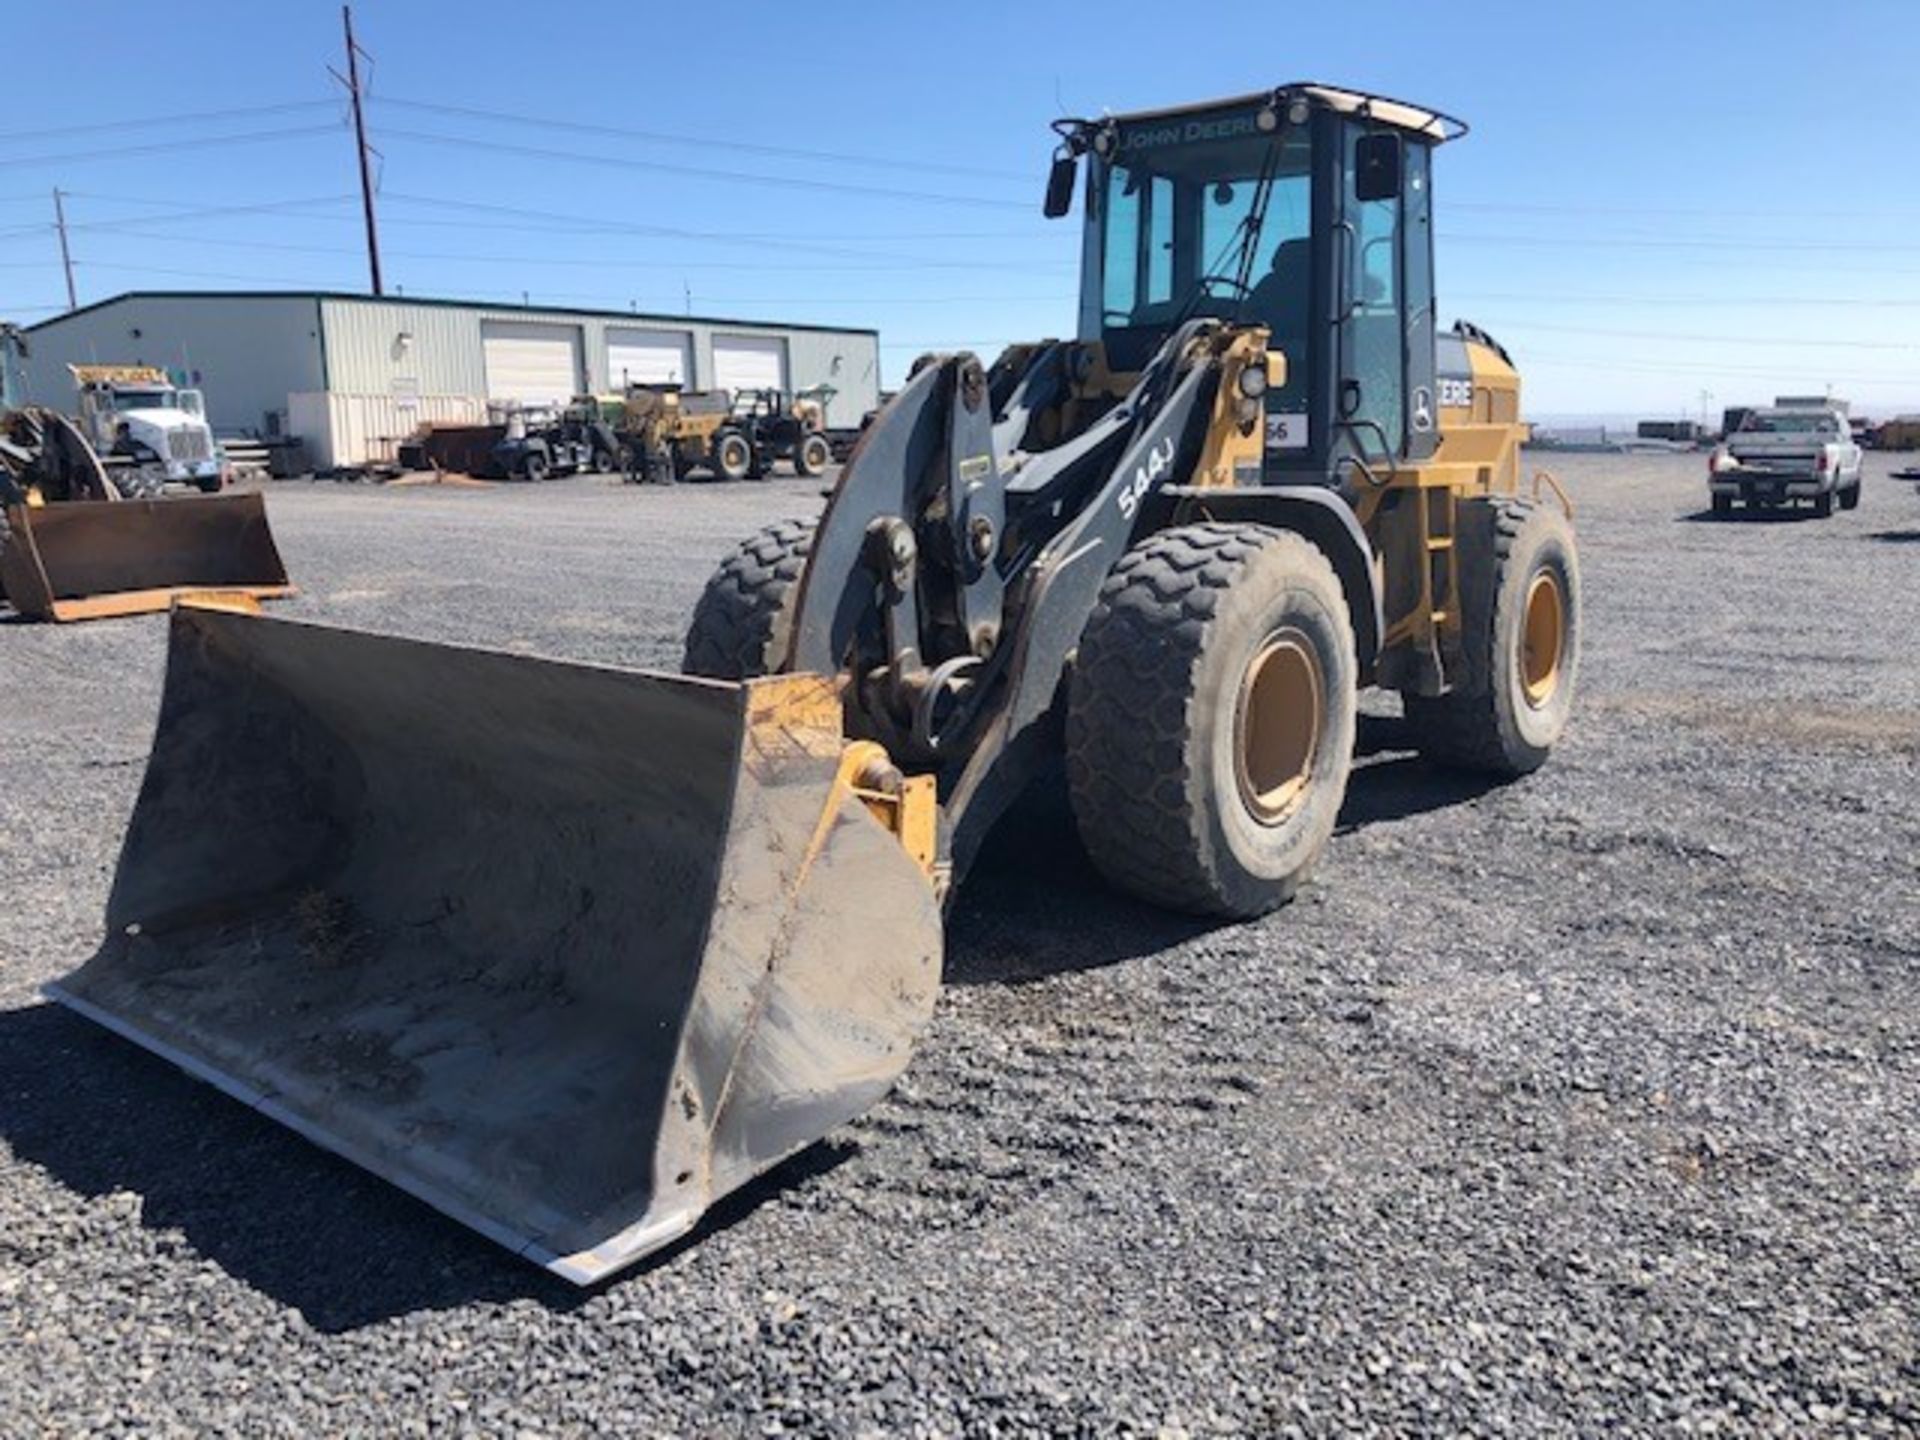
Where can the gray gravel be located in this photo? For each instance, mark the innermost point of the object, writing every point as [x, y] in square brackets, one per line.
[1584, 1103]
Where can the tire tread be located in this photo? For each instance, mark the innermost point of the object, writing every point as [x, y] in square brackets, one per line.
[1463, 727]
[1134, 777]
[746, 608]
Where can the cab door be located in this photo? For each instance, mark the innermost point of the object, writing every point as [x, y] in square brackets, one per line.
[1383, 400]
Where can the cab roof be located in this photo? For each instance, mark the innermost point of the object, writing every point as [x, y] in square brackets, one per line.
[1432, 125]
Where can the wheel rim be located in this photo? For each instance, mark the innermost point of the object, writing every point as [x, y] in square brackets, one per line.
[734, 455]
[1543, 639]
[1277, 726]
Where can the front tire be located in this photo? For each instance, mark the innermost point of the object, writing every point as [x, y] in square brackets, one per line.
[1210, 718]
[744, 621]
[812, 455]
[1521, 621]
[732, 455]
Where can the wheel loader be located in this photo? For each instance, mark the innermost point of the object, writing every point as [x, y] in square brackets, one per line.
[72, 547]
[570, 951]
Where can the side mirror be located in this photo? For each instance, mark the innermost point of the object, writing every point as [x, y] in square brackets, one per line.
[1060, 184]
[1376, 167]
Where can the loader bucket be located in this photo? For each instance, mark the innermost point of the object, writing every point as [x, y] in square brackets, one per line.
[568, 952]
[92, 559]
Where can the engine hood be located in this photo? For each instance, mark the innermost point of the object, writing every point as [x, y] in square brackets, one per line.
[161, 419]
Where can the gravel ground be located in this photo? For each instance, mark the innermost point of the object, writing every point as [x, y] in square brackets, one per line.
[1579, 1104]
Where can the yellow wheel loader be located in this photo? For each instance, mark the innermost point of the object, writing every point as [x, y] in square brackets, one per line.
[570, 951]
[72, 548]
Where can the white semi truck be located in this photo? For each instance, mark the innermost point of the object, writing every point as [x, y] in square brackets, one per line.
[149, 431]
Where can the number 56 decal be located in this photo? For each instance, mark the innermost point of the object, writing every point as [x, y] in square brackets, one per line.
[1286, 432]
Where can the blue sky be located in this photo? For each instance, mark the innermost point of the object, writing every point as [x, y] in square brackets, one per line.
[1657, 200]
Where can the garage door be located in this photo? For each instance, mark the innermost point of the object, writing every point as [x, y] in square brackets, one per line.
[532, 363]
[749, 362]
[649, 357]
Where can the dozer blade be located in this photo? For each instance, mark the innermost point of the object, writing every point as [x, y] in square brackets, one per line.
[567, 952]
[93, 559]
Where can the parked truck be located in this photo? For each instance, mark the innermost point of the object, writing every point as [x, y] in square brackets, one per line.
[1787, 453]
[149, 431]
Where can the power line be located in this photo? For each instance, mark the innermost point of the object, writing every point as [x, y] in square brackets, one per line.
[1777, 341]
[1639, 242]
[613, 227]
[701, 172]
[587, 262]
[157, 146]
[266, 207]
[123, 224]
[304, 283]
[1716, 212]
[1676, 301]
[98, 127]
[1690, 368]
[755, 237]
[703, 142]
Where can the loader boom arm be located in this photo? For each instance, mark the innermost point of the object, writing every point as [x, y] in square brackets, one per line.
[953, 571]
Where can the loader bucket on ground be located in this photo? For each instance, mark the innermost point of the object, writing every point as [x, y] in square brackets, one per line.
[568, 952]
[93, 559]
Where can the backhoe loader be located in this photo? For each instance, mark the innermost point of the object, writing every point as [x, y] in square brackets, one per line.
[570, 951]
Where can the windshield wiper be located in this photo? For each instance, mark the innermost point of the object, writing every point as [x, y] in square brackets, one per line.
[1242, 243]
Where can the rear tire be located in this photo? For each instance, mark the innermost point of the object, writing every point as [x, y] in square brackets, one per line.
[732, 455]
[1823, 504]
[533, 467]
[1850, 497]
[812, 455]
[1521, 617]
[1210, 718]
[1722, 506]
[744, 620]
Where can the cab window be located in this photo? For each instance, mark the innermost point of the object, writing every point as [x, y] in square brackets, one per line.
[1178, 239]
[1373, 350]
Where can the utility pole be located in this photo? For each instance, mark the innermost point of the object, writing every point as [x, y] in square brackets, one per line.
[66, 255]
[352, 81]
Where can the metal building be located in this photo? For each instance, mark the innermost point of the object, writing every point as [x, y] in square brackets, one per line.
[351, 374]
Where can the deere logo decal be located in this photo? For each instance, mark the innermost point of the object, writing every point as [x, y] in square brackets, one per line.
[1188, 132]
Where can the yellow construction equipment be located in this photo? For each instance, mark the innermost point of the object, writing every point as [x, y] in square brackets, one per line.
[571, 951]
[669, 432]
[71, 548]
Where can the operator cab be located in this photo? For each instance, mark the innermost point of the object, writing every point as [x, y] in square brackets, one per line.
[1306, 210]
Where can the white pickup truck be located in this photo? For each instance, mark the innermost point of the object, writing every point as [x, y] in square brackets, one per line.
[1786, 453]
